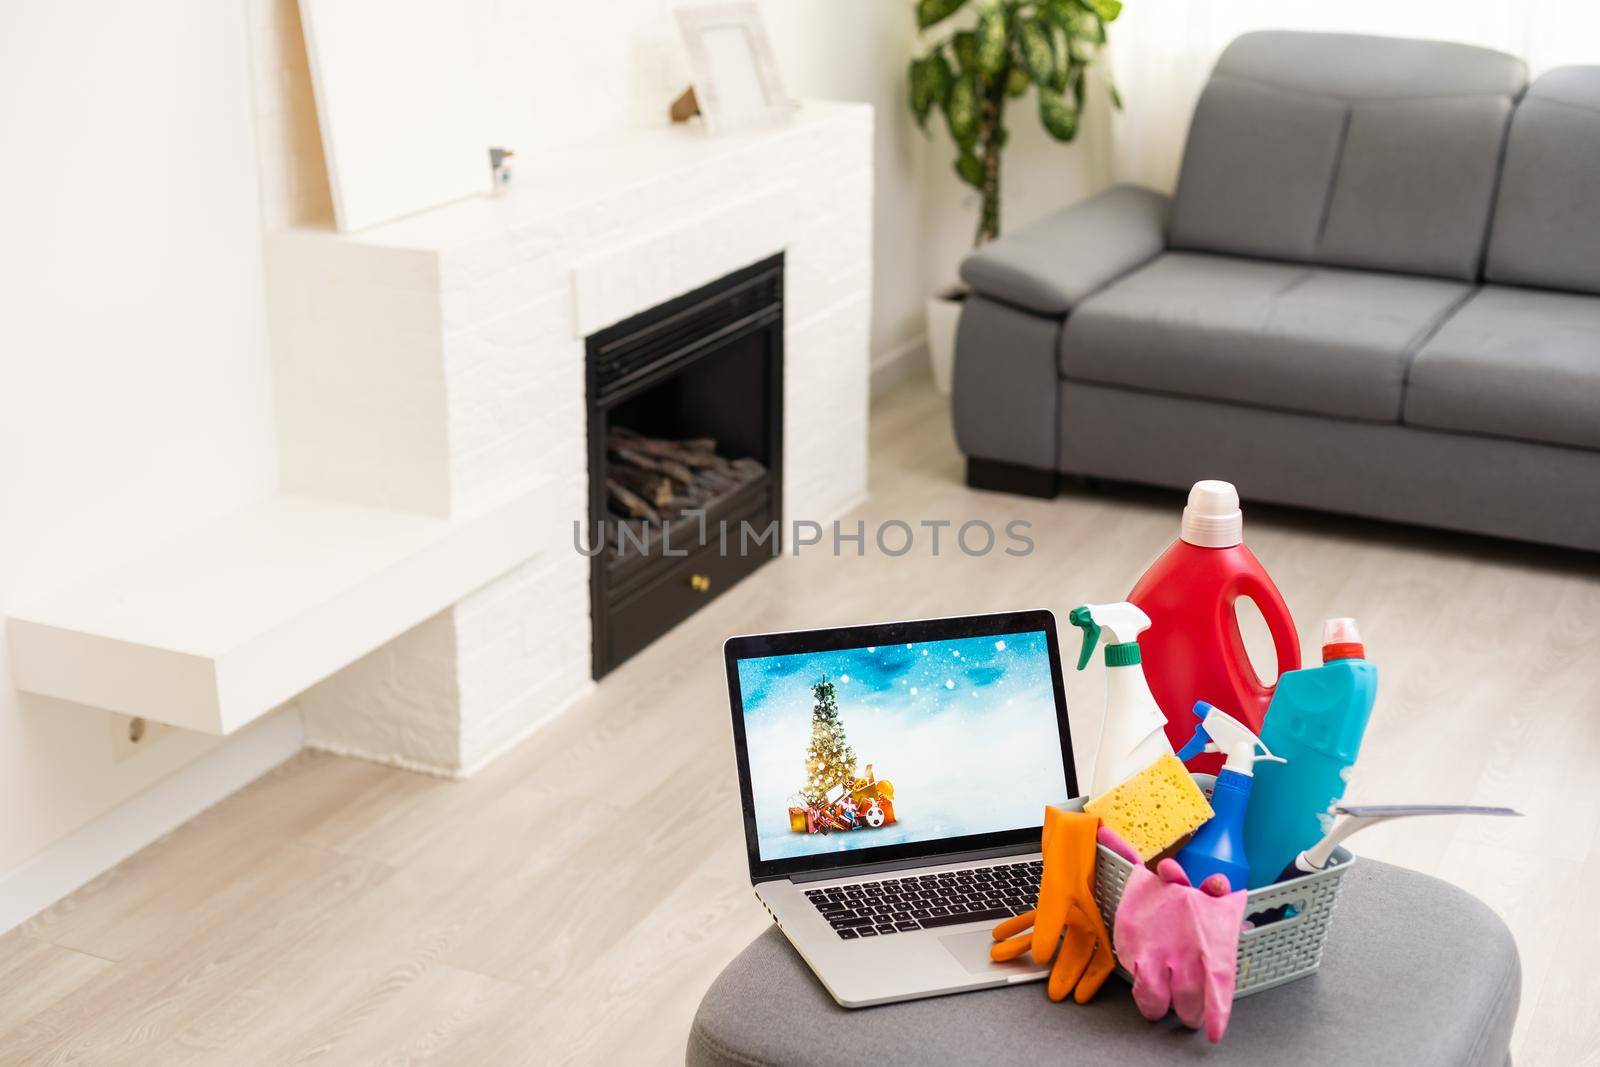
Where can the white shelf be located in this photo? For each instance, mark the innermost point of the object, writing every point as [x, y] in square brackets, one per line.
[219, 626]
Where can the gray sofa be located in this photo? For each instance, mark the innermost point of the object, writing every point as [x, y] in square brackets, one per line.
[1375, 291]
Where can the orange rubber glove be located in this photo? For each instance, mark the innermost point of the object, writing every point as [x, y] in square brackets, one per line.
[1083, 956]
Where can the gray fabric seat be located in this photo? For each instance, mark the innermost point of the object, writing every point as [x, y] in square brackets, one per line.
[1416, 972]
[1278, 335]
[1514, 363]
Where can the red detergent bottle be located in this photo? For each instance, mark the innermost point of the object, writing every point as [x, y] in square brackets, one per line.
[1193, 649]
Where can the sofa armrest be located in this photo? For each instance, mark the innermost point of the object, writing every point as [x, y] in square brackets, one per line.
[1050, 266]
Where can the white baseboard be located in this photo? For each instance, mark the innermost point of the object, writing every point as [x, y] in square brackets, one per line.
[895, 365]
[105, 842]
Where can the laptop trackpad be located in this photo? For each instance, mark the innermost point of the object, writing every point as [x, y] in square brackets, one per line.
[971, 950]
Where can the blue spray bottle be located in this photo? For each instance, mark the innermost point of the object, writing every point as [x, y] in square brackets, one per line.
[1218, 846]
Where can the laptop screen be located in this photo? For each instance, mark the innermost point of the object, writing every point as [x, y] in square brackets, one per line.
[942, 737]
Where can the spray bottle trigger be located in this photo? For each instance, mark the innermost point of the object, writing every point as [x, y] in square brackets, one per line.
[1266, 754]
[1084, 620]
[1198, 743]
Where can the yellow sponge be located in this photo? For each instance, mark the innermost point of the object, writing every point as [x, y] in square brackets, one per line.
[1154, 808]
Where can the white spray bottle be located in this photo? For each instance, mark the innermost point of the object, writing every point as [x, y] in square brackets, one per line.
[1133, 734]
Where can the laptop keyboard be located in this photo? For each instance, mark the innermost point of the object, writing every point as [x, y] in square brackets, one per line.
[928, 901]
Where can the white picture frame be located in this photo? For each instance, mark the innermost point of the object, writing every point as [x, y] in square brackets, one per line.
[735, 77]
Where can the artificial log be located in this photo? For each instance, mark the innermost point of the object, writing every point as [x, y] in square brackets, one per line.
[678, 472]
[630, 503]
[655, 489]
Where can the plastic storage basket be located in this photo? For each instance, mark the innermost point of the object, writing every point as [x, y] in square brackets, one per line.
[1271, 953]
[1274, 950]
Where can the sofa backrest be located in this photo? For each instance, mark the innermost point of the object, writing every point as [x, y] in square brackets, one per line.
[1371, 152]
[1547, 216]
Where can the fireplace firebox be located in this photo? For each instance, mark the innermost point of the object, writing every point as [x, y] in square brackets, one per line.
[685, 408]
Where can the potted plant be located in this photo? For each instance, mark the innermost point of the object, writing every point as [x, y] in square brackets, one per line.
[1004, 49]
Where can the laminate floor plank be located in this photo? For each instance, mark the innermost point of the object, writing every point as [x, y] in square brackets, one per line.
[36, 974]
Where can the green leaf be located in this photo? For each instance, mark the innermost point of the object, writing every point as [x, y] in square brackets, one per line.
[1108, 10]
[921, 91]
[1116, 97]
[1079, 82]
[1066, 67]
[930, 79]
[970, 169]
[1017, 82]
[930, 12]
[940, 77]
[961, 110]
[992, 41]
[965, 46]
[1062, 13]
[1038, 51]
[1060, 119]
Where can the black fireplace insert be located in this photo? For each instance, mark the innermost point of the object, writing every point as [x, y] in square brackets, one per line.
[685, 405]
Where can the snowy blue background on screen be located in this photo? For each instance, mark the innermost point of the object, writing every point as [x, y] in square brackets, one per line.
[965, 729]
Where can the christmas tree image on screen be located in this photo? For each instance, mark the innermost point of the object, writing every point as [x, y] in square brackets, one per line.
[834, 798]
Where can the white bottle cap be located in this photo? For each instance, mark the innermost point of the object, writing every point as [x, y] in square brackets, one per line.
[1212, 518]
[1340, 631]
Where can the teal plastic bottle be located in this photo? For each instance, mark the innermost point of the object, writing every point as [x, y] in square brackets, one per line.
[1317, 718]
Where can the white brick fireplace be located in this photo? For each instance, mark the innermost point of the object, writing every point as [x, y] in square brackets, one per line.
[435, 365]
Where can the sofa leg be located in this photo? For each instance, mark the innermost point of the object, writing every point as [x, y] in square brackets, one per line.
[1011, 478]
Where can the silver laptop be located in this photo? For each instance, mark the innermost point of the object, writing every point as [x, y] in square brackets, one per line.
[894, 779]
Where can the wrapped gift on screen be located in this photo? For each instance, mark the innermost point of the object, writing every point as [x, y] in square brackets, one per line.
[865, 788]
[867, 805]
[798, 805]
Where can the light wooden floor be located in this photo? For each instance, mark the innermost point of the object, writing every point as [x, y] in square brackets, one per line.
[572, 902]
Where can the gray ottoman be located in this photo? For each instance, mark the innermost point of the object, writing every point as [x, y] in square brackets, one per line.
[1416, 972]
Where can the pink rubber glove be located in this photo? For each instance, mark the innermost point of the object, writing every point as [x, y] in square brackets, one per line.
[1180, 943]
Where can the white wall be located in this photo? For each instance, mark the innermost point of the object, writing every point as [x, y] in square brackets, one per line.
[849, 50]
[134, 382]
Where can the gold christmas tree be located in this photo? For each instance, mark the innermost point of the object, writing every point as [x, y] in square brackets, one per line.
[830, 760]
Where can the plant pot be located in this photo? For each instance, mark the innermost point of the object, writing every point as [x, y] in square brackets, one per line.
[944, 312]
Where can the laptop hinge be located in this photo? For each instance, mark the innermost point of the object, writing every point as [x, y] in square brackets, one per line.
[901, 865]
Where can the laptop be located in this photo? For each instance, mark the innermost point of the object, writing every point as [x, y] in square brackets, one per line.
[894, 779]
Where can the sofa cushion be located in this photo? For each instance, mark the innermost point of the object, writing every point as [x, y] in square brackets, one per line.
[1547, 218]
[1297, 338]
[1514, 363]
[1256, 170]
[1415, 185]
[1341, 149]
